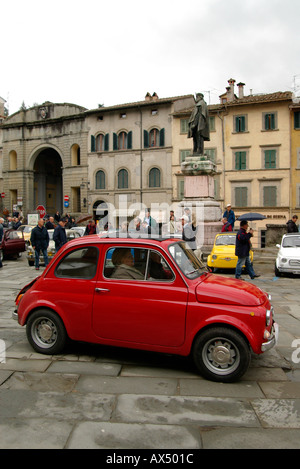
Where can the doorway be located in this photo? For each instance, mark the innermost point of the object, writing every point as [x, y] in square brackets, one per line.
[48, 181]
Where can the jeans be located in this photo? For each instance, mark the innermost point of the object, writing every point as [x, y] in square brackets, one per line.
[37, 257]
[244, 261]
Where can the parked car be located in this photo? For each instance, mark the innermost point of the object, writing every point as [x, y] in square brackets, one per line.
[51, 248]
[24, 231]
[146, 294]
[79, 229]
[11, 245]
[223, 255]
[288, 257]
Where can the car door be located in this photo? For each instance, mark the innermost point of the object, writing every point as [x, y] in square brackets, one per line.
[148, 311]
[13, 244]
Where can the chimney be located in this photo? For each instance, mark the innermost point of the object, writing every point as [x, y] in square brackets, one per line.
[148, 97]
[241, 89]
[230, 93]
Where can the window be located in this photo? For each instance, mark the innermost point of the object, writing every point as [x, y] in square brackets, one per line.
[269, 196]
[123, 179]
[154, 177]
[183, 154]
[12, 160]
[180, 189]
[123, 263]
[240, 124]
[154, 138]
[240, 160]
[212, 123]
[75, 155]
[100, 180]
[241, 196]
[297, 120]
[211, 154]
[100, 142]
[122, 141]
[184, 126]
[270, 159]
[269, 121]
[81, 263]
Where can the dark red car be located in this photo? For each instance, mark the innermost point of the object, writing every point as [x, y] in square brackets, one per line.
[151, 295]
[11, 245]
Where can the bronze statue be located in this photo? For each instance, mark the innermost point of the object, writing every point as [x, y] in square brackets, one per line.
[199, 125]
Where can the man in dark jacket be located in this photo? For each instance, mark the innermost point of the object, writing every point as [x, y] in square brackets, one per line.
[59, 236]
[40, 241]
[291, 225]
[242, 250]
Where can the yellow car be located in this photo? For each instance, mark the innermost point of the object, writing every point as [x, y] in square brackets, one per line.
[26, 230]
[223, 255]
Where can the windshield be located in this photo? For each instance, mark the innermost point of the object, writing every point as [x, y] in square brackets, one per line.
[225, 240]
[186, 260]
[291, 242]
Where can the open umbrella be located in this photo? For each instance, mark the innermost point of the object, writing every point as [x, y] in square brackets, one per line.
[251, 216]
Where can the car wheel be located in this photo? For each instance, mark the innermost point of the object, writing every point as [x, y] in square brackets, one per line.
[221, 354]
[1, 255]
[277, 273]
[46, 332]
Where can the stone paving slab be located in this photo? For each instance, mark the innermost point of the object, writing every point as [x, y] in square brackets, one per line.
[278, 413]
[16, 403]
[105, 435]
[250, 438]
[56, 382]
[36, 433]
[107, 369]
[127, 385]
[204, 411]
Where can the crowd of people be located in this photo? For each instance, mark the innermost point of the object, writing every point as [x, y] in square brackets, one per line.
[185, 227]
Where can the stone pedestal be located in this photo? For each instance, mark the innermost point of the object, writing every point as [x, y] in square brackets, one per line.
[199, 198]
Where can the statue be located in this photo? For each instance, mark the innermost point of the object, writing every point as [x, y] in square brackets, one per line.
[199, 125]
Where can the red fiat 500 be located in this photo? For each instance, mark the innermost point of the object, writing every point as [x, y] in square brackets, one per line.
[151, 295]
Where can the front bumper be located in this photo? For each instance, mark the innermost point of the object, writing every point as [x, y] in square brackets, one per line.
[273, 339]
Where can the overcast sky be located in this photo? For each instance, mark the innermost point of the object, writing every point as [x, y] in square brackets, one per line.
[91, 52]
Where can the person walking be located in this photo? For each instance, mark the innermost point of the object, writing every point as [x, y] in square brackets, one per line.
[59, 235]
[242, 250]
[230, 215]
[291, 225]
[40, 241]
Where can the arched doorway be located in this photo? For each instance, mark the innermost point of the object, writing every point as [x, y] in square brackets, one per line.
[48, 180]
[100, 213]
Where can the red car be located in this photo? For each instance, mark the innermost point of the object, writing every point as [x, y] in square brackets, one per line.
[11, 245]
[151, 295]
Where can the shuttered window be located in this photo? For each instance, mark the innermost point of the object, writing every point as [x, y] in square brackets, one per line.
[100, 180]
[240, 160]
[270, 196]
[123, 179]
[240, 123]
[270, 159]
[241, 196]
[154, 177]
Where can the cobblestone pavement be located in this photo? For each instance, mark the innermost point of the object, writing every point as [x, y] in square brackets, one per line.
[101, 397]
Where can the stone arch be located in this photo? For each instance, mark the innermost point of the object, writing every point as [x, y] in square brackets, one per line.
[47, 184]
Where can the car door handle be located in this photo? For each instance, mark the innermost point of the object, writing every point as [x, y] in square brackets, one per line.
[101, 290]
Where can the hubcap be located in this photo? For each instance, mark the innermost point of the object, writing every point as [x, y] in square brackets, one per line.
[44, 332]
[221, 356]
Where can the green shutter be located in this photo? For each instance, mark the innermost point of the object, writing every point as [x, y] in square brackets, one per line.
[106, 142]
[146, 139]
[93, 143]
[241, 196]
[240, 160]
[129, 140]
[115, 141]
[270, 196]
[162, 138]
[270, 159]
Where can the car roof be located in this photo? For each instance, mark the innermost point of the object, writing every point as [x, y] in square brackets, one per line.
[291, 234]
[99, 239]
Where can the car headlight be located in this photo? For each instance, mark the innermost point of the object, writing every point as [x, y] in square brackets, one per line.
[284, 259]
[214, 256]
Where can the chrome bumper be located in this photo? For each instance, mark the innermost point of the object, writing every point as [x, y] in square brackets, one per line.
[15, 315]
[273, 339]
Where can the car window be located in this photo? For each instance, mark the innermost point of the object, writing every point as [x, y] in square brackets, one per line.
[80, 263]
[13, 235]
[125, 263]
[291, 241]
[186, 260]
[225, 240]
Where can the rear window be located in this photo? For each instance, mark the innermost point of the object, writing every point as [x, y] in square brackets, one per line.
[80, 263]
